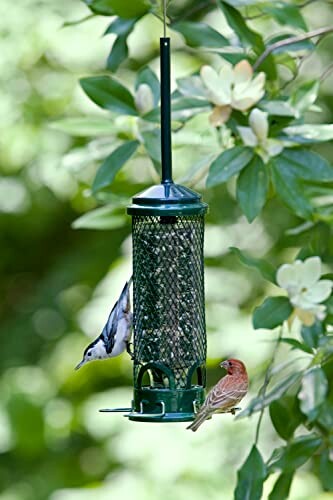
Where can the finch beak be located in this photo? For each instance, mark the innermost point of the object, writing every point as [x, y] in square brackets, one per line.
[80, 364]
[224, 364]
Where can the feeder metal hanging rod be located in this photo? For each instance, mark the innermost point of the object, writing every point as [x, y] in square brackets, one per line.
[165, 111]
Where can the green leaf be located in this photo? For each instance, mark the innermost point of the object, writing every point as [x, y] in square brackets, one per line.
[146, 75]
[102, 218]
[184, 108]
[252, 188]
[126, 9]
[272, 313]
[265, 268]
[227, 164]
[302, 45]
[236, 22]
[326, 470]
[296, 344]
[312, 334]
[83, 127]
[191, 86]
[304, 96]
[112, 164]
[251, 477]
[276, 393]
[119, 51]
[100, 7]
[152, 144]
[310, 133]
[289, 188]
[285, 416]
[313, 392]
[282, 486]
[325, 417]
[118, 54]
[247, 36]
[305, 165]
[109, 94]
[121, 26]
[200, 35]
[286, 15]
[295, 454]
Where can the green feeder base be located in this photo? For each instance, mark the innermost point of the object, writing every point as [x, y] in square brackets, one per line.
[166, 405]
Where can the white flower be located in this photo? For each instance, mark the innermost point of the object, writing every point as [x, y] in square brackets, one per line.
[232, 88]
[305, 289]
[257, 135]
[144, 99]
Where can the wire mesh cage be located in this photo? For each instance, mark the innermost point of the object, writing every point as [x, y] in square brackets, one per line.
[169, 309]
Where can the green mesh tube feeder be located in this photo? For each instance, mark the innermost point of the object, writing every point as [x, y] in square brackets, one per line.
[169, 335]
[168, 289]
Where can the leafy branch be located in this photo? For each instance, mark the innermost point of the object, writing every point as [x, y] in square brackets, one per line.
[289, 41]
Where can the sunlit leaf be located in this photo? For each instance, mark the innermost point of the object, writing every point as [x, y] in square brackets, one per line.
[272, 313]
[102, 218]
[146, 75]
[303, 96]
[251, 477]
[313, 392]
[274, 394]
[83, 127]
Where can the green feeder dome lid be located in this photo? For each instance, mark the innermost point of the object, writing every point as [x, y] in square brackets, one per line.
[167, 199]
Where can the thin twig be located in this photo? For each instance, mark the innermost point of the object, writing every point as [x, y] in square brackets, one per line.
[289, 41]
[267, 379]
[326, 73]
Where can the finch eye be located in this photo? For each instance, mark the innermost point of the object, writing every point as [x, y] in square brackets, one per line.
[89, 353]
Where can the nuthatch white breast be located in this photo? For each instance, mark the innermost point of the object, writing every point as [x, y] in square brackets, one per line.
[116, 334]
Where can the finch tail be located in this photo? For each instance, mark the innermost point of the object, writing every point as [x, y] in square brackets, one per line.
[199, 419]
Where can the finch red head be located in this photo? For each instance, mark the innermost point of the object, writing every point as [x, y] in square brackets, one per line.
[226, 394]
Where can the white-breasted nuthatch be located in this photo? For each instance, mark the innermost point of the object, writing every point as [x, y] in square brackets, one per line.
[116, 334]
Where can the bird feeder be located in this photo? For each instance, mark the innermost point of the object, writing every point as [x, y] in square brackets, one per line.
[169, 336]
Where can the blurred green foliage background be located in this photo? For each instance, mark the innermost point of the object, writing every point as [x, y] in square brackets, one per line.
[57, 284]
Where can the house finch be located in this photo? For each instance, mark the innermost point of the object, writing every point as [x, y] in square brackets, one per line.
[227, 393]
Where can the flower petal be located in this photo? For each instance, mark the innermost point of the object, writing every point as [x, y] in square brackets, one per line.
[242, 72]
[273, 147]
[285, 276]
[219, 90]
[247, 136]
[259, 123]
[311, 271]
[144, 99]
[319, 292]
[306, 317]
[220, 115]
